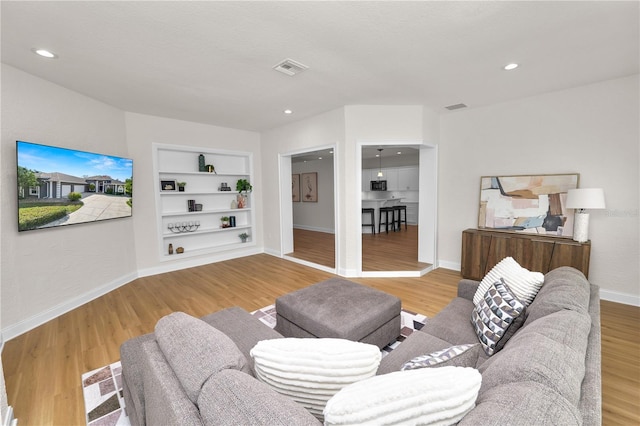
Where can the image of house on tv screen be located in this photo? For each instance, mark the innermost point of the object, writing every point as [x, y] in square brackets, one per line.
[60, 186]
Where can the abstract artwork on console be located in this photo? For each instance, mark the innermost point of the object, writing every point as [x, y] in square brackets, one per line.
[529, 203]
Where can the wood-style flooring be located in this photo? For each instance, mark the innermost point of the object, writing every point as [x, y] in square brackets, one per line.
[393, 251]
[43, 366]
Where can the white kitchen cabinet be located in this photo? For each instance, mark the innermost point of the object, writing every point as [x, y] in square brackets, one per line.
[181, 164]
[408, 178]
[391, 176]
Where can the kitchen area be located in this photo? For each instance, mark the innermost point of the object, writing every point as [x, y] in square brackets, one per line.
[390, 177]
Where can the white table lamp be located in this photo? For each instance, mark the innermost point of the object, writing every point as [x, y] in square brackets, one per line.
[581, 199]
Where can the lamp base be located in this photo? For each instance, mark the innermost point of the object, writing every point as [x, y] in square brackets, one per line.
[581, 227]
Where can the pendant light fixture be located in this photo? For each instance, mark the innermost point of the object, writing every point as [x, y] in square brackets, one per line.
[380, 161]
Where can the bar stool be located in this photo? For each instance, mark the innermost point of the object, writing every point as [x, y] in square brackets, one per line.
[372, 222]
[399, 220]
[387, 211]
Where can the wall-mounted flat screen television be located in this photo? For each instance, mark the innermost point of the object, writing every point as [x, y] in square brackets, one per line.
[61, 186]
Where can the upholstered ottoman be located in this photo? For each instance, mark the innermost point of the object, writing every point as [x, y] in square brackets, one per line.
[339, 308]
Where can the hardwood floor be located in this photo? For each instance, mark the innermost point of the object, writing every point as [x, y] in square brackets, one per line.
[43, 366]
[395, 251]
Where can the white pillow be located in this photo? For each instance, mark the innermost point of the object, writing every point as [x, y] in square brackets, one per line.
[311, 371]
[425, 396]
[523, 283]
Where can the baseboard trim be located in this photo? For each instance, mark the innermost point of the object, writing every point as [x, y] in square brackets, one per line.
[30, 323]
[316, 229]
[624, 298]
[455, 266]
[310, 264]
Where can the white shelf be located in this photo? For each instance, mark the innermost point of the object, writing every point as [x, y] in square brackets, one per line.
[180, 163]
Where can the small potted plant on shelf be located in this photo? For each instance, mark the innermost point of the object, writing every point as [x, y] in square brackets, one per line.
[243, 187]
[244, 237]
[225, 221]
[181, 186]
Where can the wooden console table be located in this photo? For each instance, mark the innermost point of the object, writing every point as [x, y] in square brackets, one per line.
[483, 249]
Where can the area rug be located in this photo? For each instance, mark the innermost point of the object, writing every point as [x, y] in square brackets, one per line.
[102, 388]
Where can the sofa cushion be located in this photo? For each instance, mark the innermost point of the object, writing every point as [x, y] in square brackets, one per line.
[424, 396]
[457, 356]
[195, 350]
[452, 323]
[524, 284]
[497, 317]
[232, 398]
[312, 370]
[414, 345]
[565, 289]
[550, 351]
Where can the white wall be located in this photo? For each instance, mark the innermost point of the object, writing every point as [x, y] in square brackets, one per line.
[316, 216]
[592, 130]
[47, 272]
[142, 132]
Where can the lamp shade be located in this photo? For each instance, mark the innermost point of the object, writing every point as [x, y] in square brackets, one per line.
[585, 198]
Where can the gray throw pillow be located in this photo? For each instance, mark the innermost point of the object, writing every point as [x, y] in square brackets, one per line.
[195, 350]
[497, 317]
[456, 356]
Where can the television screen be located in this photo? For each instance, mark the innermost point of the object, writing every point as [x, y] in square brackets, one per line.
[60, 186]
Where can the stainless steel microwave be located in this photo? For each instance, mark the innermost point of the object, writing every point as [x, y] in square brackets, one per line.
[378, 185]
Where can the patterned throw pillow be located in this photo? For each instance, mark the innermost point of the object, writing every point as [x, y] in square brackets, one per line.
[426, 396]
[524, 283]
[497, 317]
[457, 356]
[310, 371]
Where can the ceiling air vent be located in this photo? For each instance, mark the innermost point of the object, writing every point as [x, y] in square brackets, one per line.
[456, 106]
[290, 67]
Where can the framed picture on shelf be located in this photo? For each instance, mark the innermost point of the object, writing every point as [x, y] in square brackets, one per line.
[168, 185]
[295, 188]
[309, 186]
[527, 203]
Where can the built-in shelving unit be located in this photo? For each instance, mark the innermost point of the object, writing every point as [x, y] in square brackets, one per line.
[176, 163]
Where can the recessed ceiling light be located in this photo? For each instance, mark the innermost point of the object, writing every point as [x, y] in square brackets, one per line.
[399, 152]
[288, 111]
[319, 158]
[331, 152]
[510, 67]
[44, 53]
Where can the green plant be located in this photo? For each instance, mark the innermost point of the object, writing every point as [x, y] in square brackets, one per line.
[243, 185]
[243, 236]
[225, 218]
[74, 196]
[182, 184]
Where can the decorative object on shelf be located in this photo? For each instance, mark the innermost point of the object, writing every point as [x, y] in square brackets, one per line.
[170, 248]
[224, 187]
[201, 165]
[234, 204]
[180, 227]
[232, 221]
[241, 201]
[581, 199]
[191, 205]
[181, 186]
[225, 221]
[529, 204]
[243, 185]
[295, 188]
[310, 187]
[211, 169]
[168, 185]
[244, 237]
[180, 250]
[198, 207]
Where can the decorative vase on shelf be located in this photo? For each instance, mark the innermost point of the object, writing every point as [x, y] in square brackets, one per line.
[201, 165]
[242, 201]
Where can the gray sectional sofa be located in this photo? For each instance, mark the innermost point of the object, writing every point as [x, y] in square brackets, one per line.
[547, 373]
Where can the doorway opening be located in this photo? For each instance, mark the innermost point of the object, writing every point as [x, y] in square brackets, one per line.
[309, 216]
[403, 176]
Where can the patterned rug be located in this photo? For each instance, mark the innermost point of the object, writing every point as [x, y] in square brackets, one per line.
[102, 388]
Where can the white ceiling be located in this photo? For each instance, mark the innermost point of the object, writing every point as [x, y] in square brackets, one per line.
[211, 62]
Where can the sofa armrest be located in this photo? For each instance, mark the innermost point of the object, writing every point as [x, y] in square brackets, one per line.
[467, 288]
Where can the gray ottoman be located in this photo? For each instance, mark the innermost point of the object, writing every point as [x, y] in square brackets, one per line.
[339, 308]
